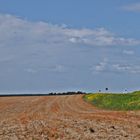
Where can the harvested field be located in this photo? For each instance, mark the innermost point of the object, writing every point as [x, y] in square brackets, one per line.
[64, 118]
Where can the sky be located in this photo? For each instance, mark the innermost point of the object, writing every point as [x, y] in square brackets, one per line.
[68, 45]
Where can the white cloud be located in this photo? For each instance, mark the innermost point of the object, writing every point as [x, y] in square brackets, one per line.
[106, 66]
[121, 68]
[57, 68]
[14, 30]
[54, 68]
[100, 66]
[99, 37]
[128, 52]
[30, 70]
[135, 7]
[134, 69]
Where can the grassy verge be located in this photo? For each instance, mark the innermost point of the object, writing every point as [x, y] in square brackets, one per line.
[130, 101]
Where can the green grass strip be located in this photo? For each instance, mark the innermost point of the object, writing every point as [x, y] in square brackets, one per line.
[129, 101]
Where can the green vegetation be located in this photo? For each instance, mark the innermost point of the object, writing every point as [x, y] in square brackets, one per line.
[129, 101]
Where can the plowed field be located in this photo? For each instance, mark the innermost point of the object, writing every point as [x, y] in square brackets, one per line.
[64, 118]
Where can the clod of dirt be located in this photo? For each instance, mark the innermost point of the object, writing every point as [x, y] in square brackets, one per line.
[91, 130]
[138, 125]
[113, 127]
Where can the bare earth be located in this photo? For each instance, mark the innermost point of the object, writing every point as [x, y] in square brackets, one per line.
[64, 118]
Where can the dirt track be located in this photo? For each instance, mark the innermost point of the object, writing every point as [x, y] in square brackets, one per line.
[63, 118]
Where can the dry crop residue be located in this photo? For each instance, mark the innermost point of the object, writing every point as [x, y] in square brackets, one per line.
[64, 118]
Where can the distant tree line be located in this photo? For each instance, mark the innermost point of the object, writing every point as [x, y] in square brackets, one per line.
[40, 94]
[67, 93]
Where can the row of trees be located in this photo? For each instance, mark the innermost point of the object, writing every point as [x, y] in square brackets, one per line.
[67, 93]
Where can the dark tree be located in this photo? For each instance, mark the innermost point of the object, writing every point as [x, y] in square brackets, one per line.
[106, 89]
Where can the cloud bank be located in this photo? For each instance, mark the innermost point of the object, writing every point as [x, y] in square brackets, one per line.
[43, 56]
[16, 29]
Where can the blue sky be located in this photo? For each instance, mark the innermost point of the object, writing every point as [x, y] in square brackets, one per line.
[49, 45]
